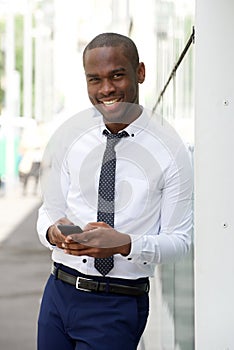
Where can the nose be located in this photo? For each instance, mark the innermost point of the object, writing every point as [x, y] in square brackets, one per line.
[107, 87]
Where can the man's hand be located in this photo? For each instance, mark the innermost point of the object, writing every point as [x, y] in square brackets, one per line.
[98, 240]
[54, 235]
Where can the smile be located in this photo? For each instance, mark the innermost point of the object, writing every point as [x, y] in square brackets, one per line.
[109, 103]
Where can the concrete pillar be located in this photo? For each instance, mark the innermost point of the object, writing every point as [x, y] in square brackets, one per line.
[214, 174]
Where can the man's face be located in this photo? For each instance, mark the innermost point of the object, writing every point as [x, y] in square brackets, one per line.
[112, 83]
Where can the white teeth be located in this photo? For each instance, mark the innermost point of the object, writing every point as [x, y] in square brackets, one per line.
[108, 103]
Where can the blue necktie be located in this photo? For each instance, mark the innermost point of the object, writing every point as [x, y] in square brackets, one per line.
[106, 193]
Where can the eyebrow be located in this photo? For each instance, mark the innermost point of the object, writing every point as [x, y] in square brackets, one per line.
[114, 71]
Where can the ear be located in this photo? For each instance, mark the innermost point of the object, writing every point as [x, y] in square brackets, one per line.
[141, 73]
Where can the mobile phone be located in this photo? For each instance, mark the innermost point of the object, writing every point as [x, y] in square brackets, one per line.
[69, 229]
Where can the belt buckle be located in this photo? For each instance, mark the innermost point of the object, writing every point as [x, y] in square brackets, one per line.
[78, 282]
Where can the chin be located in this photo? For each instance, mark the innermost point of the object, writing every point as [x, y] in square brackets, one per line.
[110, 115]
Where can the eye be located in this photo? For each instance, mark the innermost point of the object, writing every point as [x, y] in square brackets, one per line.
[93, 80]
[118, 76]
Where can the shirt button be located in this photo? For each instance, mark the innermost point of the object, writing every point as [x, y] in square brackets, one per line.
[84, 261]
[129, 258]
[145, 262]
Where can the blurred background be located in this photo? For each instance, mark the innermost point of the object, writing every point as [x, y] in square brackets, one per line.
[42, 84]
[41, 73]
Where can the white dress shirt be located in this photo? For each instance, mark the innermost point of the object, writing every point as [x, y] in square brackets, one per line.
[154, 186]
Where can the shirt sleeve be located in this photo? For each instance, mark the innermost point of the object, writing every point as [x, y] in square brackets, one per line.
[54, 185]
[176, 218]
[43, 223]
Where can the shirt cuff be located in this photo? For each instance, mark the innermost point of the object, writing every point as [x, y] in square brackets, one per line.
[42, 233]
[145, 250]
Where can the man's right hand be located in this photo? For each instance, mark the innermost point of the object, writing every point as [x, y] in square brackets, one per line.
[54, 235]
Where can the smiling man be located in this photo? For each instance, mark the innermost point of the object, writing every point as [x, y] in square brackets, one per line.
[113, 72]
[127, 181]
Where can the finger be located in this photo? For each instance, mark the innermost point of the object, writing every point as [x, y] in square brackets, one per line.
[78, 252]
[102, 224]
[89, 226]
[78, 237]
[55, 235]
[66, 246]
[60, 245]
[93, 225]
[58, 233]
[92, 252]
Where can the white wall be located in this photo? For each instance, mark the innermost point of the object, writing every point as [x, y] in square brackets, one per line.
[214, 175]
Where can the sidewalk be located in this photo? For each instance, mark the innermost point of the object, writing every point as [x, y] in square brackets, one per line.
[24, 269]
[14, 207]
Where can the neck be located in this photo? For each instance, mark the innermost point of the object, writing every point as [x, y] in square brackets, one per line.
[114, 127]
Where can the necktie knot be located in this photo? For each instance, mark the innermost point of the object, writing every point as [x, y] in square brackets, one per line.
[119, 135]
[115, 137]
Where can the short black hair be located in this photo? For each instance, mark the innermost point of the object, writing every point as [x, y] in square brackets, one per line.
[114, 40]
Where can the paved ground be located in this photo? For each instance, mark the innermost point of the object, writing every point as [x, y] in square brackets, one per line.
[24, 267]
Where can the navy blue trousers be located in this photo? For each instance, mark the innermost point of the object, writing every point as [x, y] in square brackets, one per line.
[71, 319]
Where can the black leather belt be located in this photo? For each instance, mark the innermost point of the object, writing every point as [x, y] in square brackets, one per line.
[90, 285]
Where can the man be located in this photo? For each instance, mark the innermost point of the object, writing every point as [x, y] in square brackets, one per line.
[97, 295]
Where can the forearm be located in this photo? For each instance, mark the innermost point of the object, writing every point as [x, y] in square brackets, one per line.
[125, 248]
